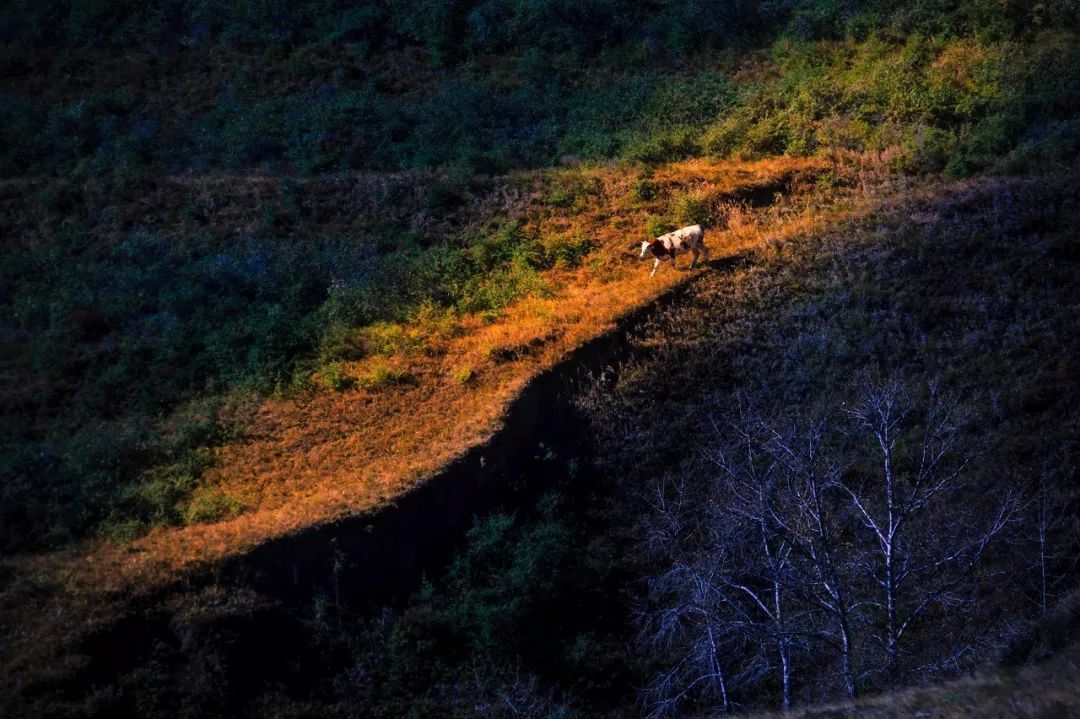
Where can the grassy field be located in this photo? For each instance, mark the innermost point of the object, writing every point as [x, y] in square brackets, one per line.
[267, 267]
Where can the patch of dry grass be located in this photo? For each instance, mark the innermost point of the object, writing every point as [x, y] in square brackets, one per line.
[1047, 690]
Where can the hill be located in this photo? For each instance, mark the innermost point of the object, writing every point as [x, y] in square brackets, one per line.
[294, 296]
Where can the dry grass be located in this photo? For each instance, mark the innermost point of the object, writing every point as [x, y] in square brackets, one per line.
[1045, 691]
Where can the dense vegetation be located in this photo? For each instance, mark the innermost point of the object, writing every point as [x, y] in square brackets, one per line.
[133, 344]
[496, 85]
[119, 334]
[750, 368]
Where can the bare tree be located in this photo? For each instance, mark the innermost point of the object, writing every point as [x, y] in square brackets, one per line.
[1052, 531]
[807, 541]
[750, 561]
[915, 559]
[518, 697]
[694, 624]
[813, 520]
[766, 577]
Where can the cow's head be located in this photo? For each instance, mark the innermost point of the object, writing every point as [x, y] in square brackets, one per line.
[646, 246]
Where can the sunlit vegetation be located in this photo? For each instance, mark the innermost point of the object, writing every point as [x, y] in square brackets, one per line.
[118, 333]
[267, 265]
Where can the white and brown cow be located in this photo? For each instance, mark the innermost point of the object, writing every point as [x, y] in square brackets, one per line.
[666, 247]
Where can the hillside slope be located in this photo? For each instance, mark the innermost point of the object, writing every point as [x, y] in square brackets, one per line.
[332, 452]
[332, 382]
[731, 329]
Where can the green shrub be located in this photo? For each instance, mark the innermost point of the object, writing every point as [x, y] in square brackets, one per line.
[387, 338]
[122, 529]
[660, 147]
[508, 245]
[726, 136]
[566, 251]
[382, 376]
[334, 377]
[157, 501]
[341, 341]
[560, 197]
[430, 319]
[643, 189]
[569, 189]
[927, 149]
[498, 289]
[654, 227]
[690, 208]
[211, 505]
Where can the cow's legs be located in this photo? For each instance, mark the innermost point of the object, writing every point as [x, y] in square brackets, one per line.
[656, 264]
[706, 251]
[693, 261]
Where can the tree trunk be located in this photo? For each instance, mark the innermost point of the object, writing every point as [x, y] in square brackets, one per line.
[846, 660]
[782, 645]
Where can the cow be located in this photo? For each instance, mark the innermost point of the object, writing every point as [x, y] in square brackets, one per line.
[665, 247]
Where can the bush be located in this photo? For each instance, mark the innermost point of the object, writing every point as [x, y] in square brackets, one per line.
[654, 227]
[690, 208]
[643, 189]
[497, 614]
[927, 150]
[509, 245]
[211, 505]
[566, 251]
[382, 376]
[341, 341]
[334, 377]
[498, 289]
[386, 338]
[798, 98]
